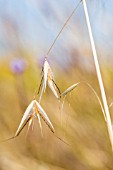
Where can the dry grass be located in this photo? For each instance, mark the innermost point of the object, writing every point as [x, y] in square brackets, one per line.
[83, 126]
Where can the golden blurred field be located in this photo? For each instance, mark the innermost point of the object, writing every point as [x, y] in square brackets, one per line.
[27, 31]
[83, 126]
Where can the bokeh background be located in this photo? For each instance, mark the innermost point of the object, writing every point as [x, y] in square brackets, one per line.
[27, 30]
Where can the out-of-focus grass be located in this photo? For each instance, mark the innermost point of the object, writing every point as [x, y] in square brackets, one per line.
[83, 127]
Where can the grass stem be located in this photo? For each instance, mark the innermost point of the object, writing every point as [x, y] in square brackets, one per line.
[108, 119]
[63, 27]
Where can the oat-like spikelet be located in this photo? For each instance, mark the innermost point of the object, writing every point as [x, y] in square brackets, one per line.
[34, 110]
[69, 89]
[48, 78]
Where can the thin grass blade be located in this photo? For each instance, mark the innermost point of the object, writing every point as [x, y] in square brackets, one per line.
[97, 99]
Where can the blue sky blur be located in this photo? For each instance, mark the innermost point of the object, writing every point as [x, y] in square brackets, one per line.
[33, 25]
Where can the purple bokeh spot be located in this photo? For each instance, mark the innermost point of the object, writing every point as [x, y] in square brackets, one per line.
[18, 65]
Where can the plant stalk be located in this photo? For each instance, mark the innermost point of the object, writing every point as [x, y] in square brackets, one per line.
[104, 99]
[63, 27]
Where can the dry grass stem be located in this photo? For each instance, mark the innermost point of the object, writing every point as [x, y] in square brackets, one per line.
[63, 27]
[101, 85]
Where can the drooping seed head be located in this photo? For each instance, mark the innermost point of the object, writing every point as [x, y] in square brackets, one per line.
[31, 112]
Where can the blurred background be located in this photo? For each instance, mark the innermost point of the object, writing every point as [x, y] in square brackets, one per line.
[27, 30]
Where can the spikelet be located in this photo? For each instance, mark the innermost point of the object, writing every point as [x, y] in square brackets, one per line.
[26, 117]
[34, 110]
[48, 78]
[69, 89]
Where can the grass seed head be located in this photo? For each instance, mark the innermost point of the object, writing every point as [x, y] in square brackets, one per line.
[68, 90]
[48, 78]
